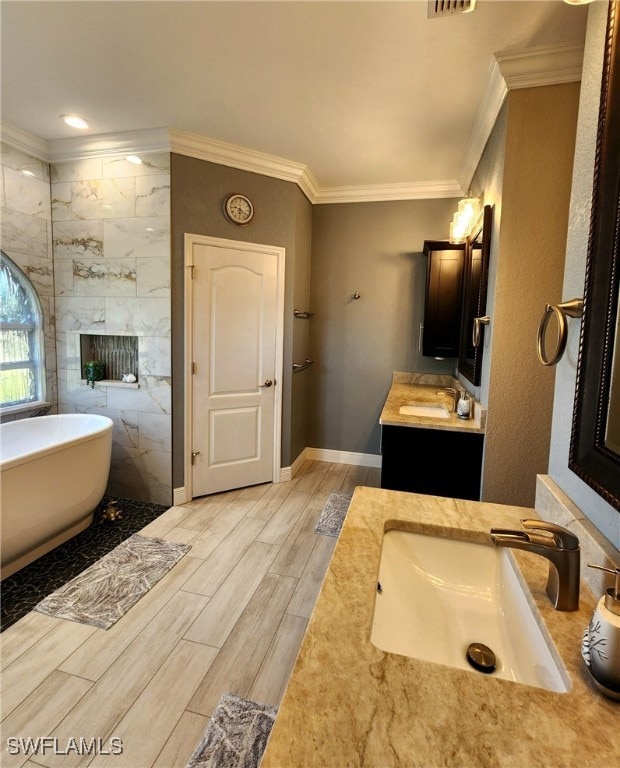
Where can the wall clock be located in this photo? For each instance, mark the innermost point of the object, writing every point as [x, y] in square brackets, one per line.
[238, 209]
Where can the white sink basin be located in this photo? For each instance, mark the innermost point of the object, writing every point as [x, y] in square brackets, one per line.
[434, 410]
[437, 596]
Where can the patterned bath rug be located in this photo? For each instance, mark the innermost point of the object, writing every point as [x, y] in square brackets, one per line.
[333, 514]
[103, 593]
[236, 736]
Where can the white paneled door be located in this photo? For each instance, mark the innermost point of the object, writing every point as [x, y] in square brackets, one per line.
[235, 387]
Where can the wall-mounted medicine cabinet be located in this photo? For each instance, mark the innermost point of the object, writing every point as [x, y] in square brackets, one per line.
[442, 309]
[473, 316]
[456, 294]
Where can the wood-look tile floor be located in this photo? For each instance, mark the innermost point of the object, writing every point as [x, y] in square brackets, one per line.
[230, 616]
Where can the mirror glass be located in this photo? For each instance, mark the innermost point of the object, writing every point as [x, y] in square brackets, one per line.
[476, 270]
[612, 436]
[594, 453]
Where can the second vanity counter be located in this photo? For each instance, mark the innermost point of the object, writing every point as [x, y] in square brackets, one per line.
[349, 703]
[428, 389]
[426, 453]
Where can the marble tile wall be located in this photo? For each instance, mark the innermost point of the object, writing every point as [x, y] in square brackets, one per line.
[26, 237]
[111, 237]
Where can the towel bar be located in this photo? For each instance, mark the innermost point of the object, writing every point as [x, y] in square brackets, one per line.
[297, 367]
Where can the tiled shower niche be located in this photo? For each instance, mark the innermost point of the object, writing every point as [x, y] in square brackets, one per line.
[119, 354]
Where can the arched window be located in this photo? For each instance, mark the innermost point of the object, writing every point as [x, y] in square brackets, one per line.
[22, 359]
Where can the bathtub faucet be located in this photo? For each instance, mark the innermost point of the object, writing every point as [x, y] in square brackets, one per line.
[560, 547]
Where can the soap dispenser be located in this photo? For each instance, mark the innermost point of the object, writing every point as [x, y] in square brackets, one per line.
[463, 407]
[601, 640]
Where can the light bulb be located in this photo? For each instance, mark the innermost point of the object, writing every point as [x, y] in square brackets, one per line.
[469, 211]
[458, 229]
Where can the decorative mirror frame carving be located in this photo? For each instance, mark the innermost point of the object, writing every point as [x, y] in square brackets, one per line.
[589, 457]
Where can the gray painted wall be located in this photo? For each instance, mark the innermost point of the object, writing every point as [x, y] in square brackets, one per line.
[376, 249]
[598, 511]
[300, 382]
[282, 218]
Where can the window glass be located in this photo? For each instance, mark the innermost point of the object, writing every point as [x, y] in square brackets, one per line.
[21, 338]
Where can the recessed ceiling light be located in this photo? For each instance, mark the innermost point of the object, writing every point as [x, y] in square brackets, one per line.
[134, 159]
[74, 121]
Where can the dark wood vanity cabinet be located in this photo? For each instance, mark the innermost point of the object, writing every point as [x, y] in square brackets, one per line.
[438, 462]
[442, 309]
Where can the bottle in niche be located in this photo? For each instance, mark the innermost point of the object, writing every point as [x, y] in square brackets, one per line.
[463, 407]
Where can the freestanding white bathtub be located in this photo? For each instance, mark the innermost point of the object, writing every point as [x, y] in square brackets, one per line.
[53, 473]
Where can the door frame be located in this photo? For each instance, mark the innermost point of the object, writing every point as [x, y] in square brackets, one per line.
[280, 254]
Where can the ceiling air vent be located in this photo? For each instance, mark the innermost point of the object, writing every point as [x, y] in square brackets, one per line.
[437, 8]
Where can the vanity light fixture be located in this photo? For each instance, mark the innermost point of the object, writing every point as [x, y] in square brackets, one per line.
[577, 2]
[27, 173]
[465, 218]
[74, 121]
[458, 231]
[134, 159]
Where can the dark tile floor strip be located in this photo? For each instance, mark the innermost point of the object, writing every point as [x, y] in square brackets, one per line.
[22, 591]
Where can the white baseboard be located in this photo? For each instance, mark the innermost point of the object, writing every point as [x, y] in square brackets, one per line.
[180, 496]
[288, 473]
[285, 475]
[343, 457]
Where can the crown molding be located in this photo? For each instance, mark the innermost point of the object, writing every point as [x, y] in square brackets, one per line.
[234, 156]
[544, 65]
[373, 193]
[528, 68]
[510, 70]
[108, 144]
[87, 147]
[24, 141]
[488, 110]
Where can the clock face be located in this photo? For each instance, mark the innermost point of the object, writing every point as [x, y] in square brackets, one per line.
[238, 209]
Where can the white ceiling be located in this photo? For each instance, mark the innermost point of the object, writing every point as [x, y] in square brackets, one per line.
[362, 93]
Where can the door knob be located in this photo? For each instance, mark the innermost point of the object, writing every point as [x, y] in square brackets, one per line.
[268, 383]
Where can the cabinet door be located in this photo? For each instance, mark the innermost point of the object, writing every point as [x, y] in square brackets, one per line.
[475, 279]
[442, 310]
[431, 461]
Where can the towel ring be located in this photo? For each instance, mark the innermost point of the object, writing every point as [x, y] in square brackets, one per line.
[572, 308]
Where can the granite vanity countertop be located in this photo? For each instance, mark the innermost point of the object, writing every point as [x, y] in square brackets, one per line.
[423, 388]
[350, 704]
